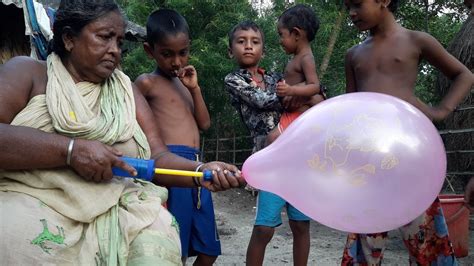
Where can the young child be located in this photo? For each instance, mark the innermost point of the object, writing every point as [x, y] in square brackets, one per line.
[387, 62]
[253, 94]
[297, 27]
[175, 98]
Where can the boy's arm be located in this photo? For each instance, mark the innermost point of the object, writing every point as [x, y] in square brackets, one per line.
[142, 83]
[350, 78]
[250, 95]
[159, 151]
[201, 114]
[163, 158]
[308, 88]
[188, 77]
[462, 78]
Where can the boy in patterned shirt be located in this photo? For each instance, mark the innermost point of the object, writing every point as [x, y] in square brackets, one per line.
[253, 94]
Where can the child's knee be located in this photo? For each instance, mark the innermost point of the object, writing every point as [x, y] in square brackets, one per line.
[299, 227]
[264, 232]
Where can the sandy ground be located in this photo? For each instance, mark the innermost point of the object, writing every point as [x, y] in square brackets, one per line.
[235, 213]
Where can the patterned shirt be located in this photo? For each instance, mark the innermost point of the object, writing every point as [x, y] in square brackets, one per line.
[260, 109]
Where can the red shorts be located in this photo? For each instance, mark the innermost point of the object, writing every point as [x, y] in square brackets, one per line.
[286, 119]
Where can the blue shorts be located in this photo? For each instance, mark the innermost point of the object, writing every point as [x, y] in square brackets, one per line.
[197, 226]
[269, 208]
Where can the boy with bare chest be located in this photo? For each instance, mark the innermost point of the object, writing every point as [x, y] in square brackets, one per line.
[387, 62]
[174, 95]
[173, 105]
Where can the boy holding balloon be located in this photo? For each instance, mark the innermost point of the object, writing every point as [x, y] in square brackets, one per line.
[253, 94]
[390, 55]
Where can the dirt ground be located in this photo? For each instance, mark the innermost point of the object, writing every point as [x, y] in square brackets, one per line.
[235, 213]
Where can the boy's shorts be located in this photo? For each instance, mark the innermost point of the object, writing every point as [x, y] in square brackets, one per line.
[286, 119]
[269, 208]
[197, 226]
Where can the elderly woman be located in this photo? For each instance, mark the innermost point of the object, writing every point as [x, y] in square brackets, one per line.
[64, 124]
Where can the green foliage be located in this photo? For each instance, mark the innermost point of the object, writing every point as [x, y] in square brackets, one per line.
[211, 20]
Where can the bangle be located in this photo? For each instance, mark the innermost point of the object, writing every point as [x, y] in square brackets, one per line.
[69, 151]
[199, 167]
[197, 181]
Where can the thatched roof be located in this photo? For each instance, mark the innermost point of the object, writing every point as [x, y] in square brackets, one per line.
[13, 41]
[135, 32]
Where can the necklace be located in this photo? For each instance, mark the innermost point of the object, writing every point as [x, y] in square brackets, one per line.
[261, 81]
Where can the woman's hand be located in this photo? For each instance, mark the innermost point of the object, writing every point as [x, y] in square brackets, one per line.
[93, 160]
[225, 176]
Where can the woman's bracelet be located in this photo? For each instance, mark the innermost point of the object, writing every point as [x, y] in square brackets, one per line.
[198, 167]
[197, 181]
[69, 151]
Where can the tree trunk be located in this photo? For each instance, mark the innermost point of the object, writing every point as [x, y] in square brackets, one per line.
[332, 42]
[461, 47]
[427, 14]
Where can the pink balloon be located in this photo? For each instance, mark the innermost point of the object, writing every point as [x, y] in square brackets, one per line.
[360, 162]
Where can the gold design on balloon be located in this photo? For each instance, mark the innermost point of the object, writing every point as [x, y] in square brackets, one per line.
[359, 175]
[316, 164]
[358, 180]
[389, 162]
[339, 146]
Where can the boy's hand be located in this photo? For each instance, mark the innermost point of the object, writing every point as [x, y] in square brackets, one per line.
[188, 77]
[283, 89]
[433, 113]
[225, 176]
[439, 113]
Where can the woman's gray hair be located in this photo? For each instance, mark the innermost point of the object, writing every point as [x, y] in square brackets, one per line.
[73, 15]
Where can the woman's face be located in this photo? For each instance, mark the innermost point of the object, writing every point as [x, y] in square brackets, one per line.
[95, 52]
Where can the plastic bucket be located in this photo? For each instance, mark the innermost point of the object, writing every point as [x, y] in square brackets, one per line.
[457, 218]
